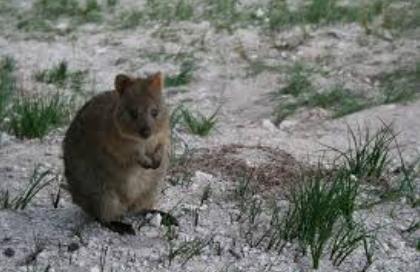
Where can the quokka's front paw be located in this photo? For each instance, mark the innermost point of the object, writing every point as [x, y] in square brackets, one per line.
[156, 156]
[146, 163]
[152, 159]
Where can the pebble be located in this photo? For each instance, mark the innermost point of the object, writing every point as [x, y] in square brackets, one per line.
[201, 176]
[287, 124]
[63, 26]
[5, 138]
[156, 220]
[73, 247]
[267, 124]
[9, 252]
[95, 269]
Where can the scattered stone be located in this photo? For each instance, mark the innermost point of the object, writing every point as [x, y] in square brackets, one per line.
[63, 26]
[5, 138]
[73, 247]
[201, 176]
[9, 252]
[95, 269]
[156, 220]
[287, 124]
[267, 124]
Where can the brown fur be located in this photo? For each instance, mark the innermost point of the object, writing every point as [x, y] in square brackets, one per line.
[111, 165]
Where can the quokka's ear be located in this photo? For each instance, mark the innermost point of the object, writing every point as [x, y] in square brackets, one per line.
[122, 82]
[157, 81]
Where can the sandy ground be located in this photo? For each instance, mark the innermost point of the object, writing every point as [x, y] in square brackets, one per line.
[221, 78]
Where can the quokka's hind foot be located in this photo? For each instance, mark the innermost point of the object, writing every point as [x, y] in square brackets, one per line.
[119, 227]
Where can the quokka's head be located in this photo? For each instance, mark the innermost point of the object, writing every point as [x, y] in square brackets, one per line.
[141, 111]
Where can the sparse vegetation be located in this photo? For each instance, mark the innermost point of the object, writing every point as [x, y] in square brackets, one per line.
[199, 124]
[298, 81]
[368, 159]
[54, 9]
[40, 178]
[277, 212]
[299, 92]
[340, 100]
[321, 211]
[223, 13]
[396, 87]
[321, 12]
[402, 18]
[322, 202]
[7, 84]
[368, 156]
[184, 76]
[187, 250]
[111, 3]
[45, 14]
[61, 76]
[401, 85]
[161, 11]
[34, 117]
[404, 184]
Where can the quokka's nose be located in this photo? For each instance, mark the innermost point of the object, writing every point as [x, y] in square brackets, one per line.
[145, 132]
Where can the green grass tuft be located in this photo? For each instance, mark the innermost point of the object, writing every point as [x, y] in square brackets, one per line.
[45, 13]
[368, 155]
[157, 11]
[401, 85]
[341, 101]
[298, 81]
[39, 180]
[111, 3]
[402, 18]
[184, 76]
[53, 9]
[321, 12]
[223, 14]
[61, 76]
[299, 92]
[34, 117]
[321, 212]
[199, 124]
[184, 10]
[187, 250]
[7, 84]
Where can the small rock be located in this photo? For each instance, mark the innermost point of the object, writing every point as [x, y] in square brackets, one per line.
[201, 176]
[287, 124]
[9, 252]
[73, 247]
[101, 50]
[259, 13]
[156, 220]
[63, 26]
[95, 269]
[266, 123]
[5, 138]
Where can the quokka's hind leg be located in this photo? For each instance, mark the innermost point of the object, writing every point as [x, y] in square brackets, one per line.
[110, 212]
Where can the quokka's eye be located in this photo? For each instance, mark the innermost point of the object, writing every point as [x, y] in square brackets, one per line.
[155, 113]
